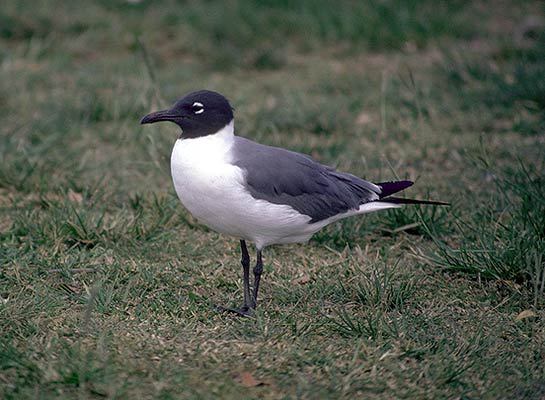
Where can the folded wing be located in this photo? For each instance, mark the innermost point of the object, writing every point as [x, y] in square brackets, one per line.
[285, 177]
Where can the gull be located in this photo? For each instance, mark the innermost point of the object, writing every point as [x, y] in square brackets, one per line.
[262, 194]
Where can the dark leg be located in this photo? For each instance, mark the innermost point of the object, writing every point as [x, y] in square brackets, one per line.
[249, 303]
[257, 276]
[245, 261]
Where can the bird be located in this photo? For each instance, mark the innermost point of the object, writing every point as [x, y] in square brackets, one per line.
[257, 193]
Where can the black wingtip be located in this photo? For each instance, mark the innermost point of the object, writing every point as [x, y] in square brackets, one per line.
[400, 200]
[392, 187]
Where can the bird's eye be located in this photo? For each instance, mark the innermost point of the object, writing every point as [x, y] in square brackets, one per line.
[198, 108]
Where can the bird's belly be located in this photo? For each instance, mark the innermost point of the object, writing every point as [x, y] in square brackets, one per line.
[214, 193]
[209, 198]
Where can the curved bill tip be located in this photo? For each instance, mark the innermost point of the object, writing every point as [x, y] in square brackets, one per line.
[164, 115]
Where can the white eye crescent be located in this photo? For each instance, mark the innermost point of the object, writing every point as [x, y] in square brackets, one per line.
[198, 108]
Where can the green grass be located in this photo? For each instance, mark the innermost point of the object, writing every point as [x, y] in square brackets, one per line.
[509, 240]
[107, 284]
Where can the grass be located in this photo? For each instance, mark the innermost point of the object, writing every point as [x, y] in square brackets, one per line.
[510, 243]
[107, 283]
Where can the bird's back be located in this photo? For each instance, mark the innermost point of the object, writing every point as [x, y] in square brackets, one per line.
[281, 176]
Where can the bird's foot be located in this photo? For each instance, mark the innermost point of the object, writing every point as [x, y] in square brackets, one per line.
[242, 311]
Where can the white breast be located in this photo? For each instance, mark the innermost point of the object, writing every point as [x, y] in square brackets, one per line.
[212, 189]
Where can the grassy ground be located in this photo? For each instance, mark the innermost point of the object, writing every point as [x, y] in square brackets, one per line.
[106, 282]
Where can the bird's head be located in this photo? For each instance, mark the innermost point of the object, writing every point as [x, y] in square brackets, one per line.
[199, 114]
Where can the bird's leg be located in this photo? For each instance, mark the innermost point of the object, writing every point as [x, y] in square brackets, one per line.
[245, 261]
[258, 269]
[249, 303]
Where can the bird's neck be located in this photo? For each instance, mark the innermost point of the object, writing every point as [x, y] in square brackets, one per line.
[227, 132]
[205, 148]
[224, 134]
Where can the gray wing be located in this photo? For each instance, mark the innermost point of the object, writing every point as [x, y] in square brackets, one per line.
[286, 177]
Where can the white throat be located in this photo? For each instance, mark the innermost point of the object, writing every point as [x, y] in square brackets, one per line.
[202, 153]
[224, 134]
[194, 152]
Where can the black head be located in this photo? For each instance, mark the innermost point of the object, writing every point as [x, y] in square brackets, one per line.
[198, 114]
